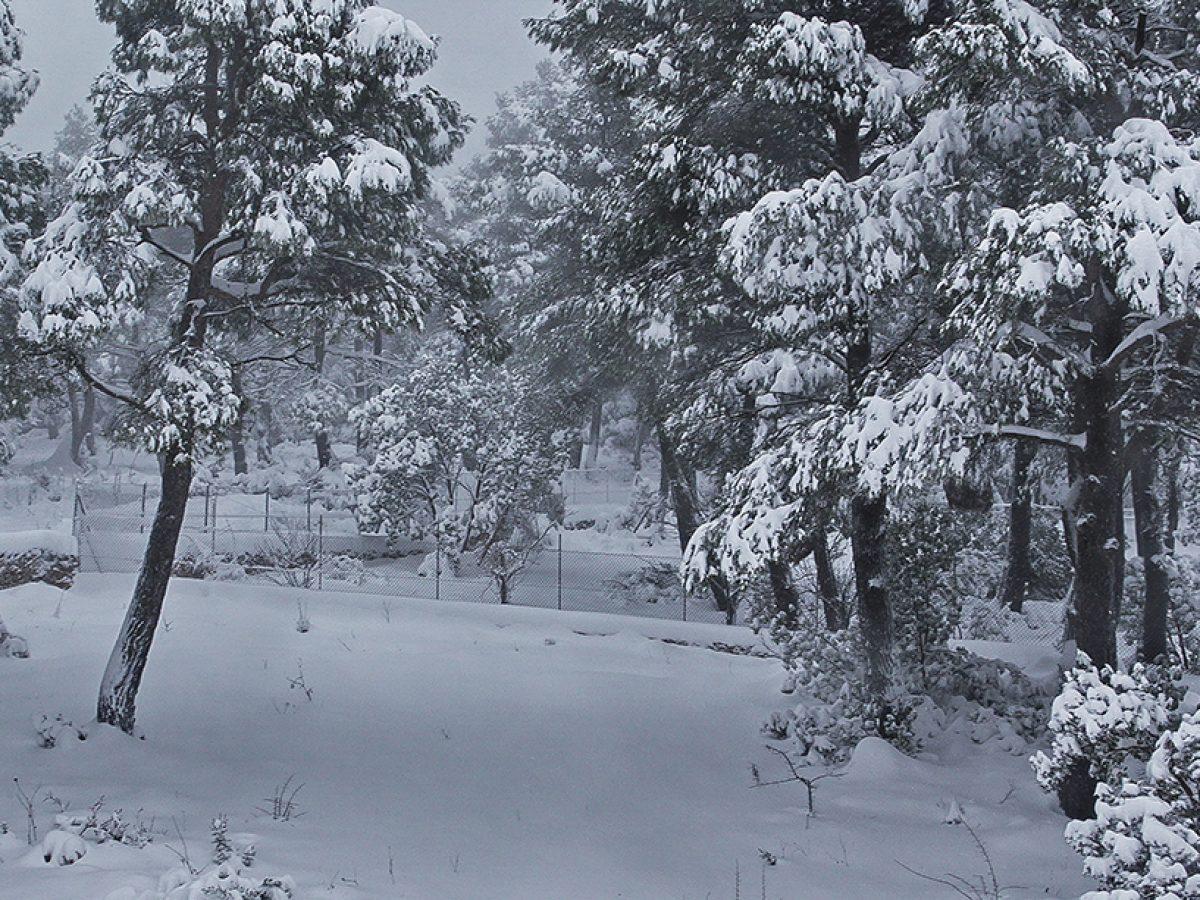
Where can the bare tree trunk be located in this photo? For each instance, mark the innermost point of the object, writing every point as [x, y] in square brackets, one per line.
[237, 434]
[787, 598]
[867, 518]
[321, 438]
[1095, 509]
[123, 675]
[266, 441]
[88, 425]
[837, 616]
[1148, 524]
[594, 425]
[639, 441]
[76, 425]
[1019, 571]
[687, 516]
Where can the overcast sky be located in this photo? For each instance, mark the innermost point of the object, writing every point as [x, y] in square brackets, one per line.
[484, 50]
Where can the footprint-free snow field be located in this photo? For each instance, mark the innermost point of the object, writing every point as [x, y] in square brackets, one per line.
[469, 751]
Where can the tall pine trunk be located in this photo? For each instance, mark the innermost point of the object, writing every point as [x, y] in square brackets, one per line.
[1148, 525]
[594, 425]
[237, 434]
[687, 515]
[837, 616]
[868, 515]
[321, 438]
[1018, 572]
[123, 674]
[783, 590]
[1095, 512]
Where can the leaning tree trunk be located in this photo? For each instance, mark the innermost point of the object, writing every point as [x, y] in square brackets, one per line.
[867, 522]
[1148, 525]
[1018, 572]
[687, 516]
[1095, 511]
[123, 675]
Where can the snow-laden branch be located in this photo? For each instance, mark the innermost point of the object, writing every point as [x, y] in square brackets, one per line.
[1151, 329]
[1066, 441]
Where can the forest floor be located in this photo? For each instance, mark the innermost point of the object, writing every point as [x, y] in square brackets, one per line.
[472, 751]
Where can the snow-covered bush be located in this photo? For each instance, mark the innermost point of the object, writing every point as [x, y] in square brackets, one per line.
[1109, 719]
[988, 699]
[99, 827]
[1145, 839]
[462, 458]
[26, 557]
[652, 583]
[52, 729]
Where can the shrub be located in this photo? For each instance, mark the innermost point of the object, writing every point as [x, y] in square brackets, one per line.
[1145, 839]
[1110, 719]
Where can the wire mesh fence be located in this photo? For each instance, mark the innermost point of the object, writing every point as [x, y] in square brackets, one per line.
[310, 540]
[325, 552]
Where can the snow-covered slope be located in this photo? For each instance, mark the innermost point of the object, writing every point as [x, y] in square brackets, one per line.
[463, 751]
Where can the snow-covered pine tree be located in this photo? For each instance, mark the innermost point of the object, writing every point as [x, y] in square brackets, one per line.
[749, 97]
[271, 152]
[20, 178]
[1085, 277]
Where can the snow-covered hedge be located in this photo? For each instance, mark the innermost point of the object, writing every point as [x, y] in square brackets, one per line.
[1145, 839]
[31, 556]
[1108, 718]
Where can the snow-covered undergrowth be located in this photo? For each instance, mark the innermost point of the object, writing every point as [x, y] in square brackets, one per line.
[463, 751]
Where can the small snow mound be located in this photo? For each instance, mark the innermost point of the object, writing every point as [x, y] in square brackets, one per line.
[61, 848]
[874, 759]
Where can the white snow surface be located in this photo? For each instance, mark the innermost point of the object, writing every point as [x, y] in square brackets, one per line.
[490, 752]
[56, 543]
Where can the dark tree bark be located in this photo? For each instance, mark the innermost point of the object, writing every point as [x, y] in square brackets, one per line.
[639, 441]
[867, 518]
[88, 424]
[266, 440]
[1148, 525]
[1095, 513]
[76, 425]
[687, 515]
[1018, 572]
[126, 665]
[594, 426]
[237, 434]
[837, 616]
[321, 438]
[783, 590]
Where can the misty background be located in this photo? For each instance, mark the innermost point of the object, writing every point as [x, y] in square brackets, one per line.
[484, 50]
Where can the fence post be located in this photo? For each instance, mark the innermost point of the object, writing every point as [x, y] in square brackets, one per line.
[437, 572]
[308, 509]
[320, 553]
[207, 500]
[267, 512]
[75, 512]
[560, 570]
[214, 526]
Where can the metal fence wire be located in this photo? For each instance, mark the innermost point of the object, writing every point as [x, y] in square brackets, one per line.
[330, 555]
[311, 542]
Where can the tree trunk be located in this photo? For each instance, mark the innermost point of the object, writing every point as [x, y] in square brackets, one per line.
[594, 425]
[321, 438]
[1019, 571]
[837, 616]
[639, 441]
[1095, 510]
[787, 598]
[1173, 502]
[123, 675]
[237, 434]
[687, 516]
[76, 425]
[1148, 524]
[867, 517]
[575, 452]
[88, 424]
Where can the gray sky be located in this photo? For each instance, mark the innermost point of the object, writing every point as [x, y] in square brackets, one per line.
[484, 50]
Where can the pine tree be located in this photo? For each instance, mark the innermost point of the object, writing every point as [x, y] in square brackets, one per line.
[272, 154]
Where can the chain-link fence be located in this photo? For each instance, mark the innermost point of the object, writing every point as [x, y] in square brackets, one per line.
[318, 550]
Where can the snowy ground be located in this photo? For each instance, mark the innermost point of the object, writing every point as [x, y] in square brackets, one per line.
[478, 752]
